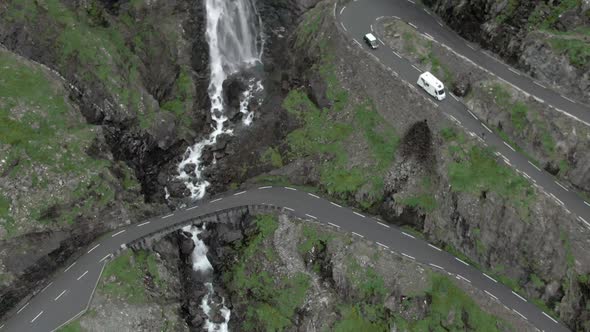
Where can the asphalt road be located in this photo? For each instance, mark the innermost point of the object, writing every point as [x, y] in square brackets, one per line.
[70, 293]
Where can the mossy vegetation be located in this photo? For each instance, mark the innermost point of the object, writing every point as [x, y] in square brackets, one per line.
[124, 276]
[424, 199]
[270, 305]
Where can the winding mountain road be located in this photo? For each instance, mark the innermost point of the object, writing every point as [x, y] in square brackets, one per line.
[69, 294]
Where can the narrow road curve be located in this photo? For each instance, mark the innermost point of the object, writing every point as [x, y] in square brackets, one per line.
[358, 17]
[69, 294]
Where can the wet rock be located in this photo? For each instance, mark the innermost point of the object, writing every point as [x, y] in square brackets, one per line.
[317, 91]
[462, 85]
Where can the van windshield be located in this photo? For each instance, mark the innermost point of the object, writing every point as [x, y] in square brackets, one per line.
[441, 92]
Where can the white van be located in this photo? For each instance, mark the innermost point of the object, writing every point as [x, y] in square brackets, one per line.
[432, 85]
[371, 40]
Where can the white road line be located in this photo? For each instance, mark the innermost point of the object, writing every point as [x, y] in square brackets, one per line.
[568, 99]
[406, 255]
[462, 261]
[584, 221]
[146, 223]
[514, 71]
[312, 217]
[539, 99]
[119, 232]
[471, 47]
[21, 309]
[192, 207]
[105, 257]
[427, 12]
[331, 224]
[288, 208]
[69, 267]
[462, 277]
[410, 1]
[396, 17]
[381, 244]
[535, 166]
[539, 84]
[341, 10]
[487, 276]
[586, 203]
[557, 200]
[439, 23]
[357, 234]
[82, 276]
[455, 119]
[437, 266]
[289, 188]
[96, 246]
[472, 134]
[561, 185]
[384, 225]
[343, 27]
[418, 69]
[488, 129]
[553, 319]
[413, 25]
[382, 43]
[490, 294]
[434, 247]
[216, 200]
[241, 192]
[265, 187]
[510, 147]
[473, 115]
[399, 56]
[1, 326]
[526, 175]
[357, 42]
[39, 314]
[408, 235]
[371, 27]
[312, 195]
[60, 294]
[171, 214]
[428, 36]
[336, 204]
[51, 283]
[358, 214]
[452, 95]
[521, 315]
[520, 297]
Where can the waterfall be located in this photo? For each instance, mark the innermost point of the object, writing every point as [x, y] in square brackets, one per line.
[202, 265]
[233, 32]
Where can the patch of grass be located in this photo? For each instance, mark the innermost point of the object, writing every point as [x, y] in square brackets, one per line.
[555, 9]
[383, 143]
[425, 199]
[577, 51]
[272, 156]
[271, 302]
[369, 285]
[449, 301]
[354, 318]
[127, 272]
[312, 237]
[181, 105]
[508, 11]
[536, 281]
[72, 327]
[480, 171]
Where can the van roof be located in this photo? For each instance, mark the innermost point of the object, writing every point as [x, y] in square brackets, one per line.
[427, 76]
[370, 37]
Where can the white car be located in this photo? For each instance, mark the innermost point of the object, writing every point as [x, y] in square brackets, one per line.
[371, 40]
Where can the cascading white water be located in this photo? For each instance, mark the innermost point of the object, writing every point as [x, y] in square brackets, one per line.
[202, 265]
[235, 43]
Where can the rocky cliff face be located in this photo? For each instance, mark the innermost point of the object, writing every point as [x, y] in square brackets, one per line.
[547, 39]
[417, 169]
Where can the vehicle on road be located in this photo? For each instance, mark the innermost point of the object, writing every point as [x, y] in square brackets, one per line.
[371, 40]
[432, 85]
